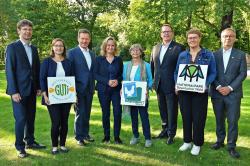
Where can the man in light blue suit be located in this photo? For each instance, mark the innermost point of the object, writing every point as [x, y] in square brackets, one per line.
[83, 61]
[22, 73]
[226, 90]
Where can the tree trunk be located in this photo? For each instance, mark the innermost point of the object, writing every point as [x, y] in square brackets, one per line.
[227, 20]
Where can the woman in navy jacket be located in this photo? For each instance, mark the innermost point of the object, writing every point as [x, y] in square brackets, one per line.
[193, 105]
[56, 66]
[108, 73]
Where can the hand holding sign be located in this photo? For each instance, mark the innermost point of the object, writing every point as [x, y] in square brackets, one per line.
[192, 77]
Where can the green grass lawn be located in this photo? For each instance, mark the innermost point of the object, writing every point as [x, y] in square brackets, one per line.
[110, 154]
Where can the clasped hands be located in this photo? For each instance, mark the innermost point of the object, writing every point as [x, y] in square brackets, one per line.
[113, 83]
[224, 90]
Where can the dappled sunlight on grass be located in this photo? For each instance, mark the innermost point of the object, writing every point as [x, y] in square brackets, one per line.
[98, 153]
[128, 156]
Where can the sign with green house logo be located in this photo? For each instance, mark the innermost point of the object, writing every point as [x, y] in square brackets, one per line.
[61, 90]
[134, 93]
[192, 77]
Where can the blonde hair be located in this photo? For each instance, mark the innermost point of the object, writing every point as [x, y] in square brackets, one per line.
[104, 45]
[194, 31]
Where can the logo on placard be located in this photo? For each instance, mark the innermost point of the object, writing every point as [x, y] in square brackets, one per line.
[192, 71]
[61, 88]
[130, 90]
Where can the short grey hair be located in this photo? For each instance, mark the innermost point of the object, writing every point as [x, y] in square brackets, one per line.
[136, 46]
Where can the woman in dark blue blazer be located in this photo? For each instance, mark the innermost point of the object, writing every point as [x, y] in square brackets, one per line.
[108, 73]
[56, 66]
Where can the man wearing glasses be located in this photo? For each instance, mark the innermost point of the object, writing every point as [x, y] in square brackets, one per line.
[163, 62]
[226, 91]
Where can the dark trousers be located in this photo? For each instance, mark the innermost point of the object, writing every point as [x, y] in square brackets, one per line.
[24, 114]
[168, 106]
[59, 115]
[82, 116]
[227, 108]
[144, 119]
[105, 99]
[194, 113]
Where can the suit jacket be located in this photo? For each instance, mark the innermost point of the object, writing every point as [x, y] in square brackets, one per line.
[234, 75]
[21, 76]
[102, 74]
[84, 76]
[164, 73]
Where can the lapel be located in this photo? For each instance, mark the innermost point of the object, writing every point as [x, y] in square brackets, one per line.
[33, 55]
[157, 54]
[82, 57]
[170, 48]
[231, 59]
[22, 52]
[92, 59]
[220, 59]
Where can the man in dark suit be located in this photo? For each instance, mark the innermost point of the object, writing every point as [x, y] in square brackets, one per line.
[22, 73]
[163, 62]
[226, 91]
[83, 61]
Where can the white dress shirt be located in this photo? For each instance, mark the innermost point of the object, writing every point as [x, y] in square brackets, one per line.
[226, 56]
[87, 56]
[28, 50]
[164, 48]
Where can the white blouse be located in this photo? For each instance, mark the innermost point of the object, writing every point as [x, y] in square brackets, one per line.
[132, 73]
[59, 70]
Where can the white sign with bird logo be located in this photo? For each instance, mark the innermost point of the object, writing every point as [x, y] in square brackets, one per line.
[134, 93]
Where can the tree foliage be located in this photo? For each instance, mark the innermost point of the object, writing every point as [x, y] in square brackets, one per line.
[129, 21]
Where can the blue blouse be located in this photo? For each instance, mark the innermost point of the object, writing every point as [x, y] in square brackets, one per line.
[105, 71]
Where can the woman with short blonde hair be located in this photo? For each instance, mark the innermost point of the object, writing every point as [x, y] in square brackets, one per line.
[108, 74]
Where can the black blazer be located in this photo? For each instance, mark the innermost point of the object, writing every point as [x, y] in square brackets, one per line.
[164, 73]
[21, 77]
[102, 75]
[234, 75]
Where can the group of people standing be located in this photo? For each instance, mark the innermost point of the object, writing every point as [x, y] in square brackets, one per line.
[26, 79]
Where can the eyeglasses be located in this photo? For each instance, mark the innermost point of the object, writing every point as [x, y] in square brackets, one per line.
[135, 50]
[58, 46]
[228, 36]
[193, 38]
[166, 32]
